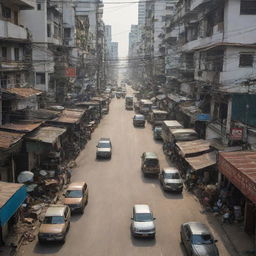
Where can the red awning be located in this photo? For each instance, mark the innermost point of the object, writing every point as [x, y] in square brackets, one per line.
[240, 168]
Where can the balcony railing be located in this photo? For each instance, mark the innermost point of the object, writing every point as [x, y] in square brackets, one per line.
[9, 30]
[24, 4]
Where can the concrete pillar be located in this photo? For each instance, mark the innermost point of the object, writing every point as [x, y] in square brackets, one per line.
[229, 116]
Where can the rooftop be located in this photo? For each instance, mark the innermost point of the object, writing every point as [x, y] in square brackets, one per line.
[55, 210]
[7, 139]
[151, 155]
[24, 92]
[7, 190]
[198, 228]
[141, 208]
[20, 127]
[70, 116]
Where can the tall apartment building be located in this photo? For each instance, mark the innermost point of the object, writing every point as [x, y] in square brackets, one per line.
[216, 47]
[15, 44]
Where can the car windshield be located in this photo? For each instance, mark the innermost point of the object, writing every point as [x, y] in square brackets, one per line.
[151, 162]
[104, 145]
[158, 129]
[139, 118]
[171, 176]
[54, 220]
[202, 239]
[143, 217]
[73, 194]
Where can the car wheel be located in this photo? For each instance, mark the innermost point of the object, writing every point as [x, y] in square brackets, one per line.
[82, 210]
[154, 236]
[181, 241]
[40, 241]
[64, 240]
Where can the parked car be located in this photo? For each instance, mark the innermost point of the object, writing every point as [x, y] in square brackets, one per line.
[170, 179]
[139, 120]
[76, 196]
[157, 133]
[56, 224]
[104, 148]
[142, 221]
[150, 163]
[198, 240]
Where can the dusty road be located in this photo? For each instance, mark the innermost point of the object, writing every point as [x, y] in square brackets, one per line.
[114, 187]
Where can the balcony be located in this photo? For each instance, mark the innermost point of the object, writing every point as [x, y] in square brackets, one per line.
[11, 31]
[197, 3]
[12, 65]
[207, 76]
[216, 37]
[24, 4]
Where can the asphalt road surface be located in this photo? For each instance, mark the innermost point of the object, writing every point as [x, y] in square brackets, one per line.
[114, 187]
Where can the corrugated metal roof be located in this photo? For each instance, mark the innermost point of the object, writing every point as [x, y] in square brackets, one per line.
[244, 161]
[157, 111]
[161, 97]
[21, 127]
[70, 116]
[7, 190]
[24, 92]
[177, 98]
[202, 161]
[172, 124]
[7, 139]
[190, 147]
[48, 134]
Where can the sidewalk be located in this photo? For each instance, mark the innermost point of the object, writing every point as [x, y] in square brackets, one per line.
[241, 241]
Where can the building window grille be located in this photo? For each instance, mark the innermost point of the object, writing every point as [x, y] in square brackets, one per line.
[248, 7]
[40, 78]
[246, 60]
[67, 33]
[4, 53]
[16, 54]
[49, 31]
[6, 12]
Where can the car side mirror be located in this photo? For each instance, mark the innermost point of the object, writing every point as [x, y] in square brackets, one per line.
[154, 218]
[215, 241]
[131, 218]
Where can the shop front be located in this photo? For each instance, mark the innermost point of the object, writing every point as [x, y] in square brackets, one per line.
[237, 179]
[12, 197]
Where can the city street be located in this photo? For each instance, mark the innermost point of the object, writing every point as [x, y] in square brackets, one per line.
[114, 187]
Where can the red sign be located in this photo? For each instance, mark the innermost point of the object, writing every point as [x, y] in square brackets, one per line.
[238, 178]
[236, 133]
[70, 72]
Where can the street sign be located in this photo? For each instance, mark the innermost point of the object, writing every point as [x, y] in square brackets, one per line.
[203, 117]
[236, 133]
[70, 72]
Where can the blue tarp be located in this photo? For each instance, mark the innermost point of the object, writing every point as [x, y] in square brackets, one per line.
[12, 205]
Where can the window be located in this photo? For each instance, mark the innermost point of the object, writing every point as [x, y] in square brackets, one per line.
[3, 81]
[4, 52]
[16, 54]
[49, 30]
[40, 78]
[6, 12]
[248, 7]
[67, 32]
[246, 60]
[39, 7]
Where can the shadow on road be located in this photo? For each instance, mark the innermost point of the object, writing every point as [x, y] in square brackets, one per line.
[172, 195]
[47, 248]
[153, 179]
[77, 216]
[183, 249]
[143, 242]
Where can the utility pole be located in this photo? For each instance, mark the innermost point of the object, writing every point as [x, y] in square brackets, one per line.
[97, 48]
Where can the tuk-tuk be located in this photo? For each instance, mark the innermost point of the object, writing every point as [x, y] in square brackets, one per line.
[145, 106]
[118, 95]
[150, 163]
[167, 126]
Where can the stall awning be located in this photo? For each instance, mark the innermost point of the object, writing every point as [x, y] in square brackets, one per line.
[240, 168]
[20, 127]
[9, 139]
[12, 195]
[70, 116]
[24, 92]
[48, 134]
[193, 147]
[202, 161]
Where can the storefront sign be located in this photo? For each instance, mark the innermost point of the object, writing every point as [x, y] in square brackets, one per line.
[70, 72]
[203, 117]
[237, 178]
[236, 133]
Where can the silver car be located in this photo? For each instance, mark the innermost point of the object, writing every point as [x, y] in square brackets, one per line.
[170, 180]
[142, 221]
[104, 148]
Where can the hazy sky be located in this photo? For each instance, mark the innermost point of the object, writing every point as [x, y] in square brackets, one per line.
[120, 17]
